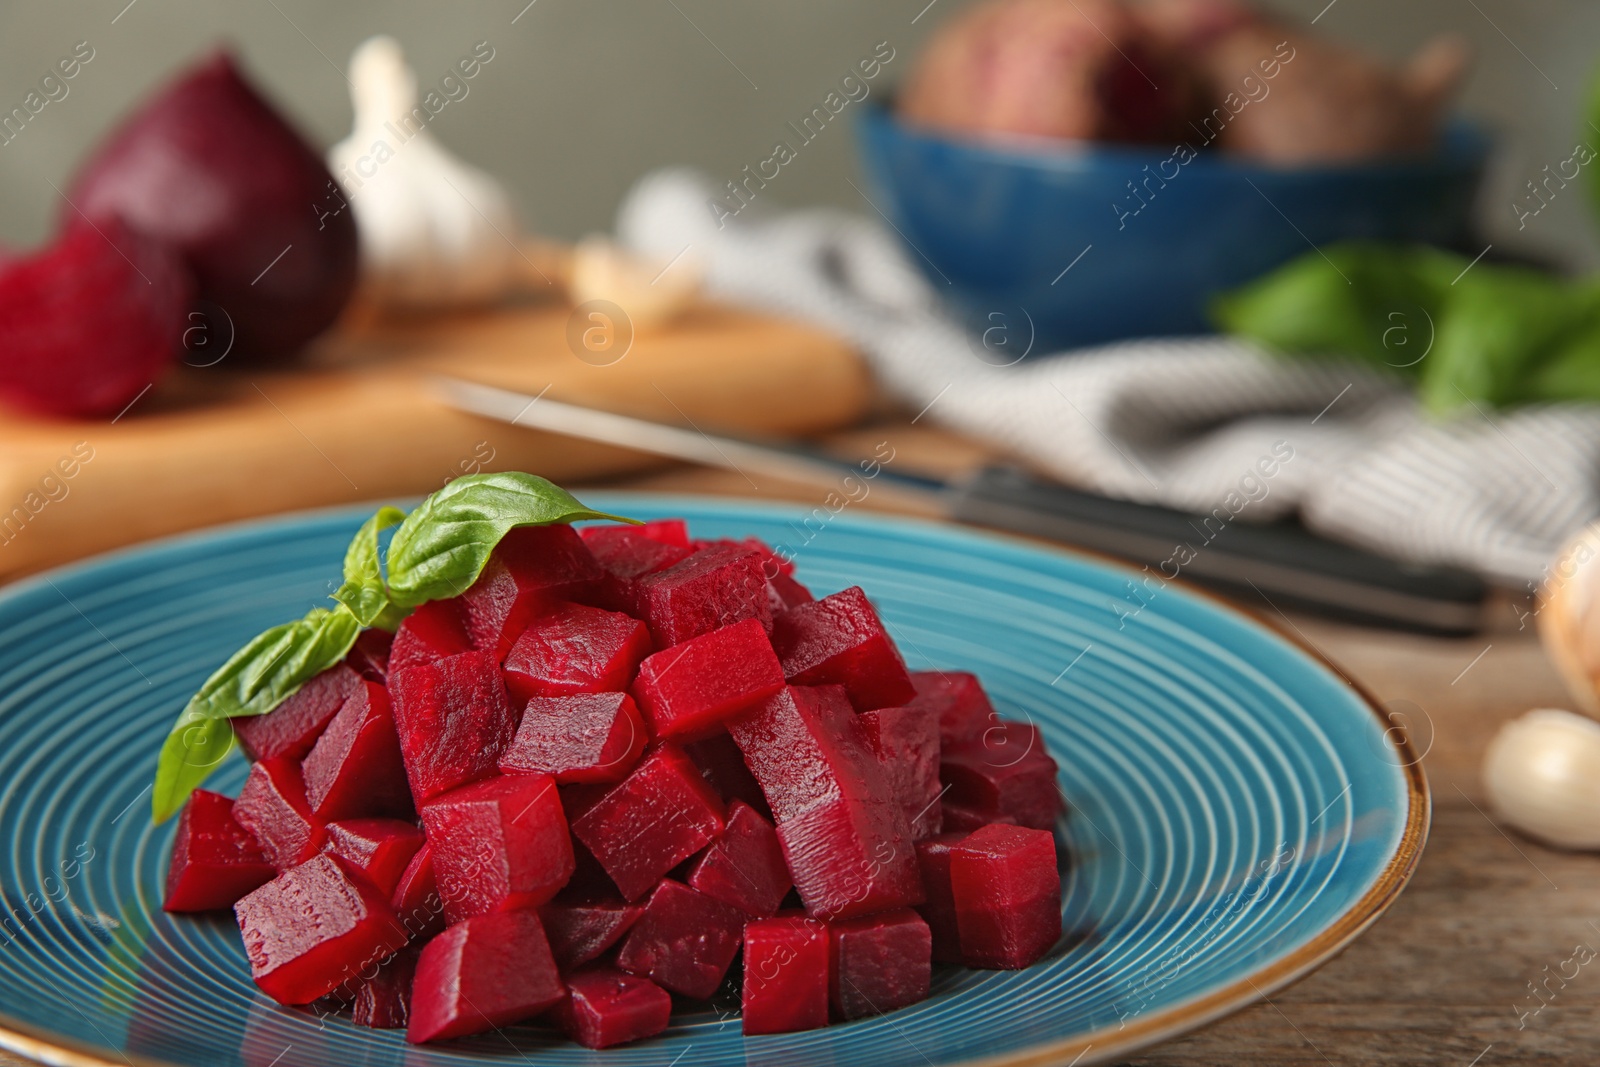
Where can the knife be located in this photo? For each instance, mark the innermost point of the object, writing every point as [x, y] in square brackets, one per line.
[1280, 563]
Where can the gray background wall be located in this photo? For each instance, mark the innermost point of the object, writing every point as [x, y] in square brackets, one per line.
[583, 96]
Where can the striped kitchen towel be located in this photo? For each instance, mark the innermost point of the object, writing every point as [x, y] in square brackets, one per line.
[1193, 423]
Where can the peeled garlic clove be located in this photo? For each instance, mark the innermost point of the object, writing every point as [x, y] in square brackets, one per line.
[649, 292]
[1569, 617]
[1542, 774]
[435, 232]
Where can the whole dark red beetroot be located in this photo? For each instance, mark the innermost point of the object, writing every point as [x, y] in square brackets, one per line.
[210, 167]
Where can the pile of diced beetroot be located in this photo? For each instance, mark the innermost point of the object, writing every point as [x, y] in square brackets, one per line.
[591, 781]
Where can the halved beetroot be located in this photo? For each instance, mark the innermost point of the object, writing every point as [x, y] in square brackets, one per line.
[532, 569]
[291, 728]
[840, 640]
[576, 649]
[416, 897]
[957, 700]
[628, 553]
[605, 1007]
[880, 962]
[579, 932]
[215, 861]
[1004, 775]
[378, 849]
[272, 806]
[498, 844]
[744, 867]
[486, 972]
[435, 631]
[1007, 893]
[383, 1001]
[689, 690]
[314, 928]
[939, 909]
[355, 770]
[785, 975]
[454, 720]
[684, 941]
[722, 765]
[587, 737]
[715, 587]
[906, 741]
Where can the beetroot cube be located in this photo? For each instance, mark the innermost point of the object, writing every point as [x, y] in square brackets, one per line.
[783, 593]
[291, 728]
[651, 821]
[369, 657]
[684, 941]
[433, 632]
[714, 588]
[744, 867]
[355, 769]
[1005, 775]
[379, 849]
[722, 764]
[314, 928]
[844, 835]
[454, 719]
[839, 640]
[498, 844]
[958, 818]
[689, 689]
[579, 933]
[273, 807]
[487, 972]
[605, 1007]
[627, 553]
[667, 531]
[939, 909]
[785, 975]
[587, 737]
[383, 1001]
[771, 562]
[957, 701]
[1007, 894]
[215, 861]
[880, 962]
[576, 649]
[531, 570]
[416, 897]
[906, 741]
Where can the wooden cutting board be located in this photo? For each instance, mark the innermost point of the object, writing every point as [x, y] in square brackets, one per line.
[357, 420]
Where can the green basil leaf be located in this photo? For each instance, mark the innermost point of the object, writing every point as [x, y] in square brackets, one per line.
[193, 747]
[442, 546]
[363, 591]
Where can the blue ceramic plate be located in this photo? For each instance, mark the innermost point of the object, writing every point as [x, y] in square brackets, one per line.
[1239, 812]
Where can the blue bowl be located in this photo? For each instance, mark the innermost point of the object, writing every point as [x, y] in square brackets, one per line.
[1149, 239]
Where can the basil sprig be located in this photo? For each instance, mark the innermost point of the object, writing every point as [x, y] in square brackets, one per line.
[438, 551]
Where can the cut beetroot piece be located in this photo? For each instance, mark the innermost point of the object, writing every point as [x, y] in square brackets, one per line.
[667, 531]
[272, 806]
[653, 820]
[714, 588]
[744, 867]
[1005, 775]
[215, 861]
[487, 972]
[291, 728]
[689, 690]
[783, 593]
[785, 975]
[606, 1007]
[576, 649]
[957, 701]
[416, 897]
[378, 849]
[314, 928]
[771, 561]
[1007, 894]
[370, 655]
[498, 844]
[383, 1001]
[958, 818]
[684, 941]
[722, 764]
[626, 553]
[454, 720]
[433, 632]
[355, 770]
[906, 741]
[579, 933]
[844, 835]
[839, 640]
[532, 569]
[939, 909]
[880, 962]
[587, 737]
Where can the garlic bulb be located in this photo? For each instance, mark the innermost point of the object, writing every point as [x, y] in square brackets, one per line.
[435, 232]
[1542, 774]
[1569, 617]
[649, 292]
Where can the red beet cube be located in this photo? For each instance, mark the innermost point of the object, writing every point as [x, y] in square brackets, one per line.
[939, 909]
[957, 701]
[1005, 775]
[783, 593]
[880, 962]
[416, 897]
[722, 764]
[273, 807]
[651, 821]
[627, 553]
[772, 563]
[215, 861]
[714, 588]
[1007, 894]
[689, 689]
[844, 835]
[487, 972]
[369, 657]
[906, 741]
[454, 720]
[667, 531]
[433, 632]
[383, 1001]
[785, 975]
[605, 1007]
[839, 640]
[379, 849]
[498, 844]
[684, 941]
[291, 728]
[587, 737]
[576, 649]
[958, 818]
[314, 928]
[579, 933]
[531, 570]
[355, 769]
[744, 867]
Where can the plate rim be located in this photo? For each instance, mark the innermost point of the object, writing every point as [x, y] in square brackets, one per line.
[1106, 1043]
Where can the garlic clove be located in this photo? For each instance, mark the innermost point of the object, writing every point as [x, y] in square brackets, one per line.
[650, 292]
[1569, 617]
[1542, 775]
